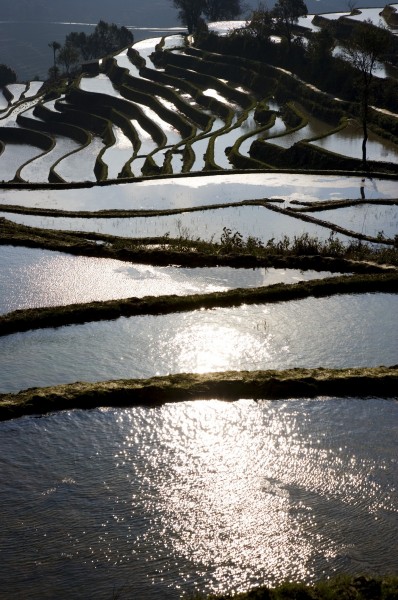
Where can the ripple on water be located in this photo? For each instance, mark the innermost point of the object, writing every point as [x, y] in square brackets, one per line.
[202, 496]
[340, 331]
[30, 277]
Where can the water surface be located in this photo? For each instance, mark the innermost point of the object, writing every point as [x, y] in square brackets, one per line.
[367, 219]
[197, 496]
[348, 141]
[255, 221]
[79, 166]
[338, 332]
[14, 156]
[204, 190]
[38, 169]
[31, 277]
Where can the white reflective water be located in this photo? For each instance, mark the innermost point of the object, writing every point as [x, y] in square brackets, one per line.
[79, 166]
[340, 331]
[348, 141]
[16, 89]
[208, 225]
[118, 154]
[197, 496]
[370, 14]
[13, 157]
[31, 277]
[3, 101]
[369, 219]
[100, 84]
[33, 88]
[38, 170]
[204, 190]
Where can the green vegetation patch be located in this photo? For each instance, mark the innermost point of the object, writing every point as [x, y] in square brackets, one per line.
[228, 386]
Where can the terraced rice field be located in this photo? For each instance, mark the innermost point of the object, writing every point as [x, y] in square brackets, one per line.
[177, 111]
[160, 223]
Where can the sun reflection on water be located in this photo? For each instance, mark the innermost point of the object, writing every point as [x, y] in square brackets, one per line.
[237, 500]
[205, 346]
[206, 496]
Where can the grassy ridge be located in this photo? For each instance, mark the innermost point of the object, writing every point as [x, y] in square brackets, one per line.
[228, 386]
[303, 252]
[338, 588]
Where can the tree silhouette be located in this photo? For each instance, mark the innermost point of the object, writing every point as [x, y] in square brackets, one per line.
[364, 50]
[55, 46]
[191, 11]
[286, 14]
[68, 56]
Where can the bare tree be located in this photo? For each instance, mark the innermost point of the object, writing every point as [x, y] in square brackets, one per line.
[351, 5]
[189, 12]
[364, 50]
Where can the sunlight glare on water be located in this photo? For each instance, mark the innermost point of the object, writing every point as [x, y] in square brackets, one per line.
[336, 332]
[205, 496]
[31, 277]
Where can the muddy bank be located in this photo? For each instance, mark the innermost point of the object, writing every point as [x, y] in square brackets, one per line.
[47, 317]
[196, 253]
[342, 587]
[228, 386]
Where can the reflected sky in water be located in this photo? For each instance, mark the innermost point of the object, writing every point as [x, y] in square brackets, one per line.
[367, 219]
[197, 191]
[31, 277]
[255, 221]
[205, 496]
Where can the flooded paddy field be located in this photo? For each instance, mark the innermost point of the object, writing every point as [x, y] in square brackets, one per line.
[185, 192]
[37, 170]
[369, 219]
[348, 141]
[194, 496]
[31, 277]
[117, 155]
[145, 500]
[13, 157]
[250, 337]
[256, 221]
[81, 162]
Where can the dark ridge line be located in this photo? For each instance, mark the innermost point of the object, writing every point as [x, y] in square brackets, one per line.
[328, 225]
[147, 214]
[171, 251]
[57, 316]
[161, 176]
[303, 206]
[227, 386]
[126, 213]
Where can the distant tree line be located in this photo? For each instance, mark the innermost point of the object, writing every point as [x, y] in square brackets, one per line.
[7, 75]
[79, 46]
[192, 12]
